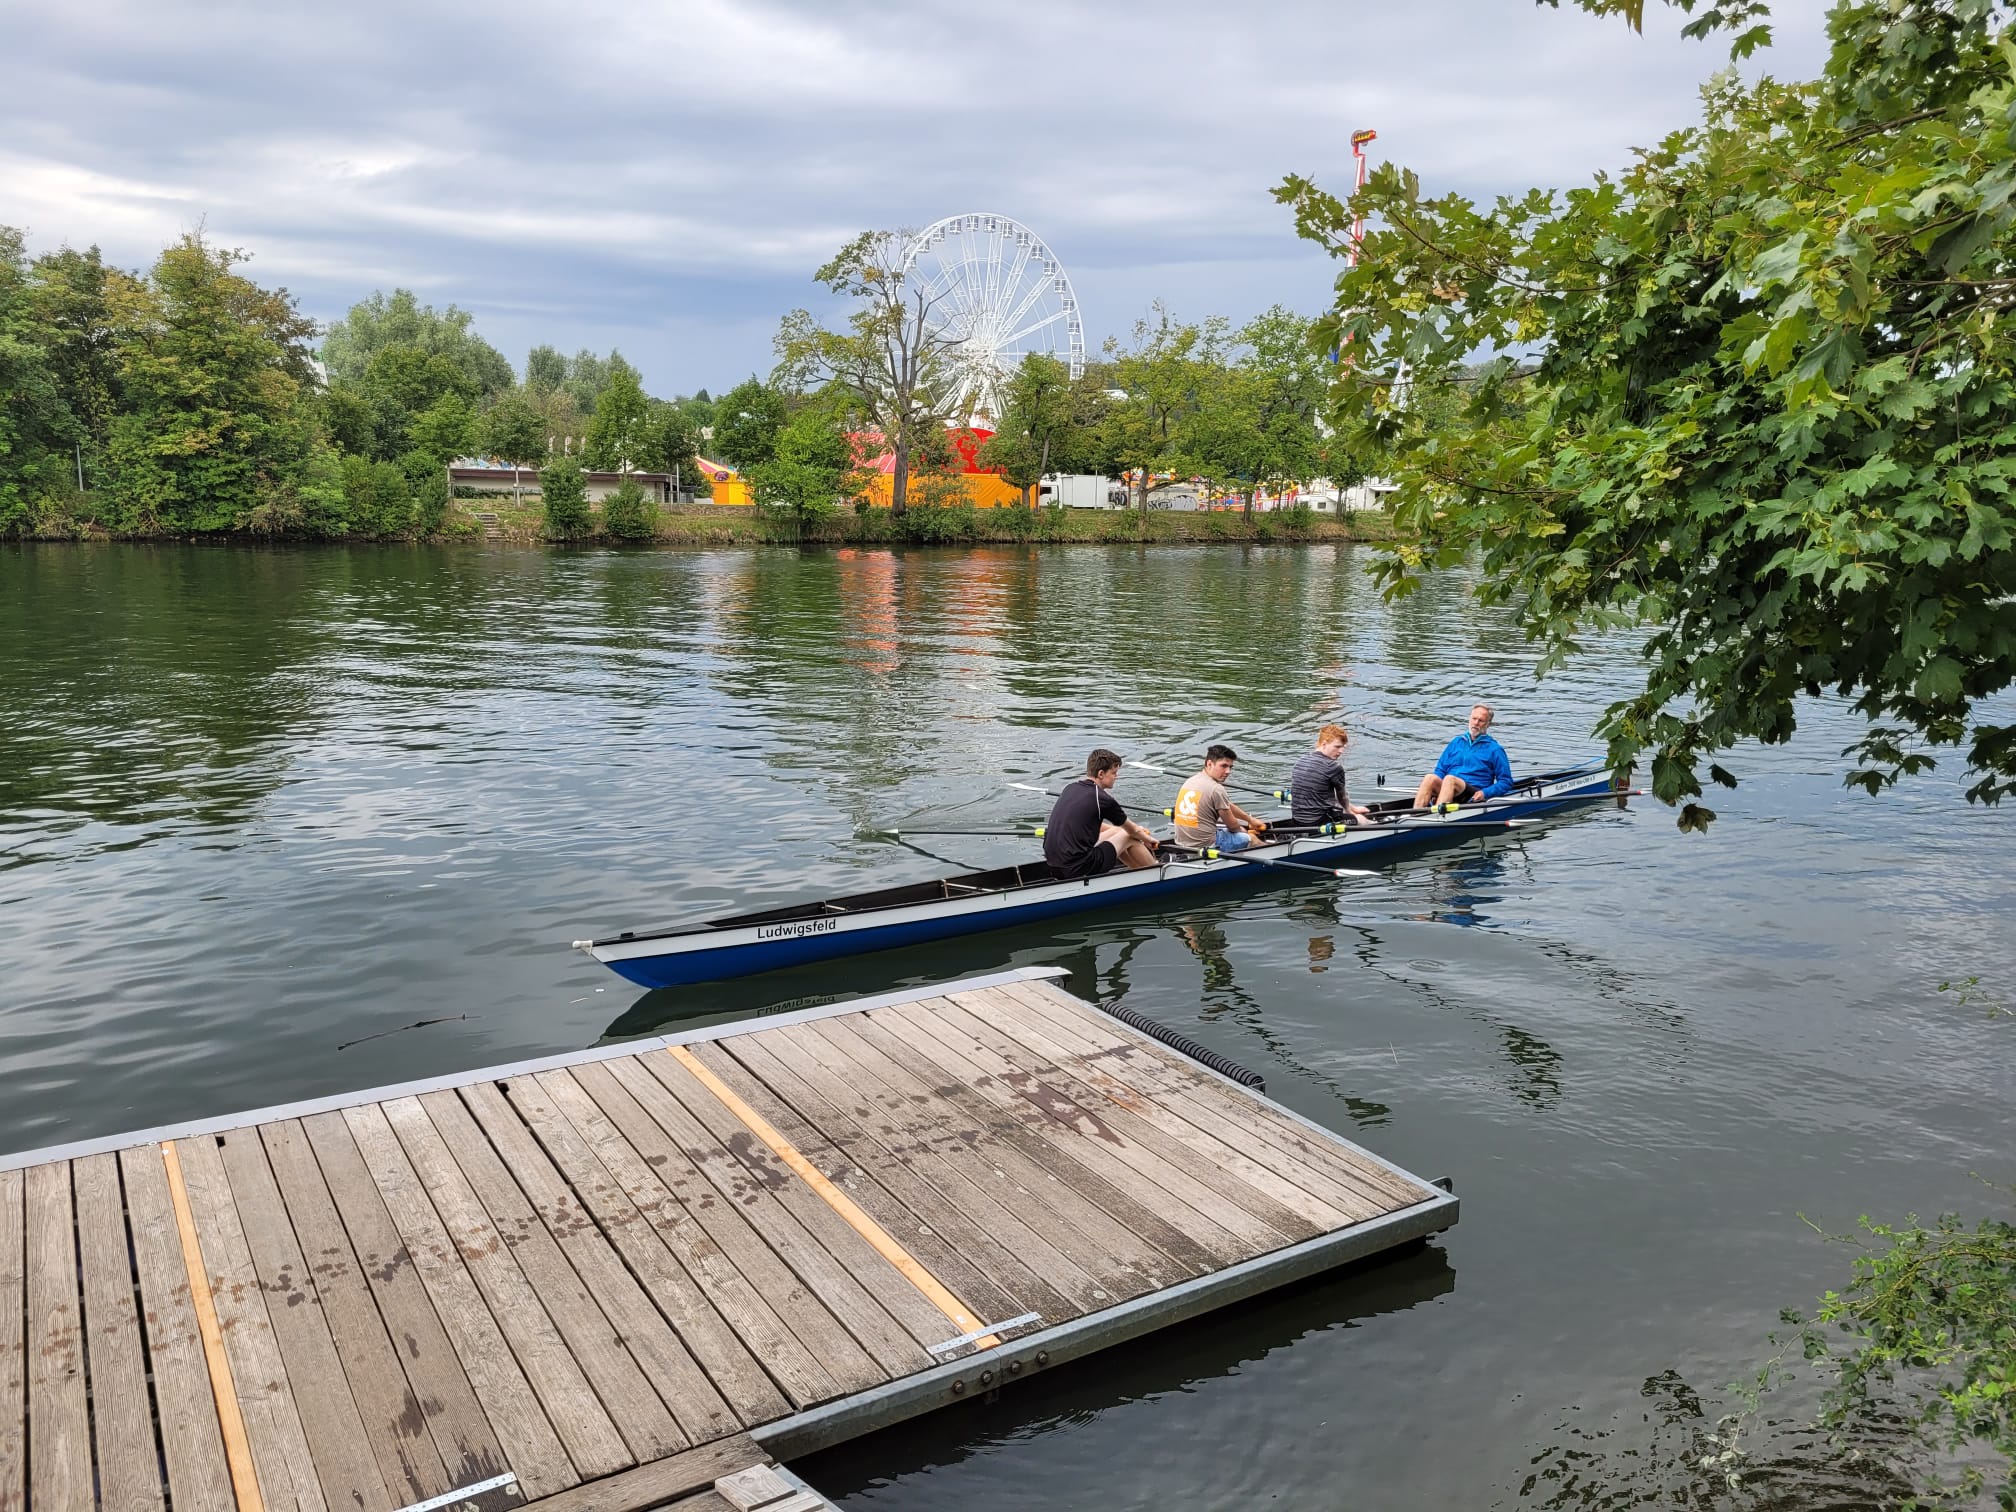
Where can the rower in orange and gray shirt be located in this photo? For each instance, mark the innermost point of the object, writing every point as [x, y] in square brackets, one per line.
[1206, 817]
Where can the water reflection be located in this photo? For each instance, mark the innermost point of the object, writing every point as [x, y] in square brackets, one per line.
[1216, 1346]
[123, 726]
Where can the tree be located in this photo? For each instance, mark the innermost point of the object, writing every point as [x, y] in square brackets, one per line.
[747, 420]
[70, 303]
[699, 408]
[557, 413]
[811, 469]
[445, 430]
[1772, 408]
[890, 361]
[616, 436]
[545, 369]
[427, 483]
[565, 494]
[34, 419]
[587, 376]
[512, 431]
[213, 370]
[410, 379]
[670, 443]
[1041, 408]
[309, 499]
[347, 419]
[1277, 390]
[379, 322]
[1173, 378]
[630, 514]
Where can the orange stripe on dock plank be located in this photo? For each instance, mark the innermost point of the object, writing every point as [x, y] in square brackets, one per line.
[878, 1237]
[230, 1421]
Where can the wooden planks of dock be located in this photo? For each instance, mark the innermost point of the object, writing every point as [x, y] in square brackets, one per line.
[609, 1280]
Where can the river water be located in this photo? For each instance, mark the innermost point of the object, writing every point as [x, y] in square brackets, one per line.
[278, 824]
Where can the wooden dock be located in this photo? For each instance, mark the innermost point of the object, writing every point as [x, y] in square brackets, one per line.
[614, 1279]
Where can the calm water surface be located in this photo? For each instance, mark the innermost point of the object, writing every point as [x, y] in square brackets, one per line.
[281, 824]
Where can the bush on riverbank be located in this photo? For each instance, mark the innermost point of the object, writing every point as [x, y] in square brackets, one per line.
[629, 514]
[565, 495]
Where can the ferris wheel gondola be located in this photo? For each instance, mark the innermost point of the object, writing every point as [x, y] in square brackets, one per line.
[994, 293]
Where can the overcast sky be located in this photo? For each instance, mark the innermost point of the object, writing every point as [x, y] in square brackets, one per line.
[664, 175]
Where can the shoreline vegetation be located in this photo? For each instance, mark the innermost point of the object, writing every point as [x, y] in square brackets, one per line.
[185, 400]
[523, 523]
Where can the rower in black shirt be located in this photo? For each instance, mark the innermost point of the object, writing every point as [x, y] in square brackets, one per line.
[1088, 832]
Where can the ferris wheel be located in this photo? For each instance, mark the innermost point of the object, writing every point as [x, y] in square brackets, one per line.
[996, 293]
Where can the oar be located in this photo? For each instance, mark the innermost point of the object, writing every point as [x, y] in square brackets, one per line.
[1024, 831]
[1214, 854]
[1231, 787]
[1132, 808]
[1387, 816]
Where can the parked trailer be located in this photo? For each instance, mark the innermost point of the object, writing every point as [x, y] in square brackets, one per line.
[1082, 491]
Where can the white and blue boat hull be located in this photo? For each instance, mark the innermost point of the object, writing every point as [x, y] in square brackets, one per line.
[815, 932]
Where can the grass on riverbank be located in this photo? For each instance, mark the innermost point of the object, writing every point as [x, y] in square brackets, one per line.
[699, 524]
[523, 523]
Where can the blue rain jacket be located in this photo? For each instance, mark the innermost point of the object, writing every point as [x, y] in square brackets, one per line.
[1481, 762]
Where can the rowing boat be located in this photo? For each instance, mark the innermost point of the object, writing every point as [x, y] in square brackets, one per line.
[802, 933]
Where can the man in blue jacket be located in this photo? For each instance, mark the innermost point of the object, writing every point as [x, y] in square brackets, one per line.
[1473, 767]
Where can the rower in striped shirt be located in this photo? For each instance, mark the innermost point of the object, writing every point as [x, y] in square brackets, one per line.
[1316, 792]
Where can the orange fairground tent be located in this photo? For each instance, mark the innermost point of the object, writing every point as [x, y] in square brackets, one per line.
[982, 487]
[730, 487]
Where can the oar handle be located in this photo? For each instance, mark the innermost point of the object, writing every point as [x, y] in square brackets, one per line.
[1214, 854]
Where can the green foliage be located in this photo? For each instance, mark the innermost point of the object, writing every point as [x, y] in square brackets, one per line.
[566, 500]
[622, 417]
[545, 369]
[380, 323]
[34, 419]
[747, 421]
[890, 365]
[1772, 411]
[347, 420]
[1927, 1325]
[307, 500]
[1265, 432]
[587, 376]
[512, 431]
[70, 300]
[630, 514]
[934, 524]
[811, 470]
[377, 498]
[1025, 523]
[1176, 380]
[213, 370]
[698, 409]
[669, 442]
[401, 384]
[1048, 423]
[443, 431]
